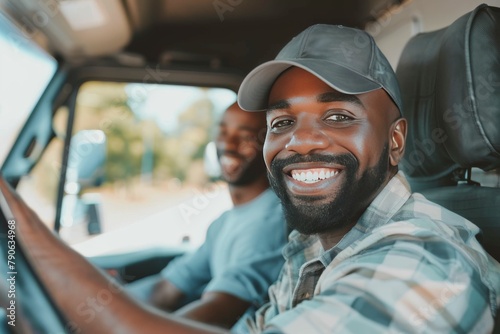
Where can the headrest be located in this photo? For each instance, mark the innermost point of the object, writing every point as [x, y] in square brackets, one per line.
[450, 85]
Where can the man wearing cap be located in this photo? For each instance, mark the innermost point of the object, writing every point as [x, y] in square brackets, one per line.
[366, 255]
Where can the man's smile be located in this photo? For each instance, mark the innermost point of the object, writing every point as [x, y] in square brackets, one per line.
[230, 163]
[312, 178]
[313, 175]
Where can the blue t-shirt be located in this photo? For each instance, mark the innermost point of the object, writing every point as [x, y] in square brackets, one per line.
[241, 254]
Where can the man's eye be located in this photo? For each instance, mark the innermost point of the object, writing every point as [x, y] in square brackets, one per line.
[281, 123]
[338, 118]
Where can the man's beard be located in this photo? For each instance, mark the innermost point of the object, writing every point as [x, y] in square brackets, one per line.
[249, 172]
[350, 202]
[248, 175]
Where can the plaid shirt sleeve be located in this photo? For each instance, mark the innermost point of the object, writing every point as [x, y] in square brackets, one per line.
[422, 285]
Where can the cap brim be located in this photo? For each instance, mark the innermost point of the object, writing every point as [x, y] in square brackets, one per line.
[254, 90]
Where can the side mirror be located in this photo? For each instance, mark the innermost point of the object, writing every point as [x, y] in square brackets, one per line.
[86, 159]
[211, 161]
[87, 154]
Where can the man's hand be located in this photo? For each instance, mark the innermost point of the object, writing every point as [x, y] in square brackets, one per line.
[216, 308]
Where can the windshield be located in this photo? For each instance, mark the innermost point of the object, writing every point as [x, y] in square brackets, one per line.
[25, 71]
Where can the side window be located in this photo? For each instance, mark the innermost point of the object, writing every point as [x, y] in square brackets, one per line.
[39, 187]
[140, 172]
[26, 71]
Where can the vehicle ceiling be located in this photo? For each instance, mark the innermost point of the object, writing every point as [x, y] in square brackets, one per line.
[231, 33]
[251, 32]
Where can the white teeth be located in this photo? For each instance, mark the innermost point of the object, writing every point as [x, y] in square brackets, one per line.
[312, 176]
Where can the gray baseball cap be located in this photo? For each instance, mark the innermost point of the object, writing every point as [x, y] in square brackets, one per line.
[346, 59]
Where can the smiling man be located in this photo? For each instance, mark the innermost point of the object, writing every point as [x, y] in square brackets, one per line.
[366, 255]
[228, 276]
[328, 154]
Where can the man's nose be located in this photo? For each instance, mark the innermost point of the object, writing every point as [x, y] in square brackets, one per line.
[307, 139]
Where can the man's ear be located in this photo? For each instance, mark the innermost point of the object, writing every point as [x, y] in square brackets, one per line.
[398, 140]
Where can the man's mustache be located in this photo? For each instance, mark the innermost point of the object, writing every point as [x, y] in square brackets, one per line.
[346, 160]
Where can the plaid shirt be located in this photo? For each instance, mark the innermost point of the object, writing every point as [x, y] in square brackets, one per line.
[407, 266]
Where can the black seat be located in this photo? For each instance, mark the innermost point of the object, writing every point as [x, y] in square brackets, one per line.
[450, 84]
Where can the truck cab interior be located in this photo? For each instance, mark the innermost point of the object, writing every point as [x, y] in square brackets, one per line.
[110, 109]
